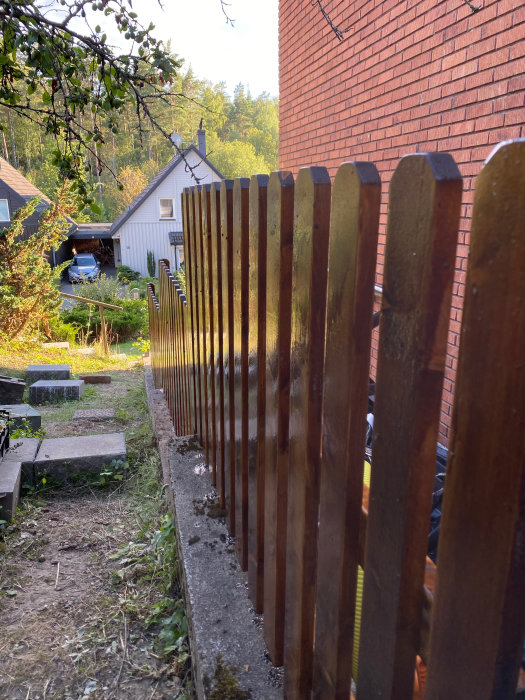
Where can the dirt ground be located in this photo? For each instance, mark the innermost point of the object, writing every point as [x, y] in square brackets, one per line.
[83, 581]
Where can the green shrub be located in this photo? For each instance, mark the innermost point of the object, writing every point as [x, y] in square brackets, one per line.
[106, 289]
[125, 274]
[180, 276]
[141, 285]
[61, 331]
[150, 262]
[129, 323]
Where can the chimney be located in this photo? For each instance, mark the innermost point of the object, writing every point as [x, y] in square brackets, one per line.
[201, 141]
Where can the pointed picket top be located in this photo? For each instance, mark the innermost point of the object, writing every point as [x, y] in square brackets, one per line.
[482, 567]
[423, 217]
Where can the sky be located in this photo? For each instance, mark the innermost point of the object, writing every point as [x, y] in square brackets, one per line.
[245, 53]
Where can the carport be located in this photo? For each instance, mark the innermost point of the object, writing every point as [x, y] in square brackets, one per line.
[92, 238]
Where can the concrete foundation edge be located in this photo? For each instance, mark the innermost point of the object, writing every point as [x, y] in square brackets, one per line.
[221, 618]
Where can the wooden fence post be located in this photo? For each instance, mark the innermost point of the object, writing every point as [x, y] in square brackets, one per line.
[256, 385]
[240, 341]
[278, 329]
[479, 614]
[424, 205]
[310, 259]
[354, 223]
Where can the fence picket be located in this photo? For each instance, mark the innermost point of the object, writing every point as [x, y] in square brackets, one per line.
[256, 385]
[278, 329]
[424, 204]
[175, 355]
[479, 616]
[354, 223]
[229, 351]
[178, 357]
[209, 360]
[240, 341]
[310, 259]
[171, 354]
[188, 267]
[189, 427]
[164, 335]
[200, 217]
[218, 357]
[194, 286]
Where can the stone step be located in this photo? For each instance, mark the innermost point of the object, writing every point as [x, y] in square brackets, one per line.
[95, 414]
[24, 451]
[36, 372]
[65, 457]
[20, 412]
[10, 477]
[45, 390]
[11, 389]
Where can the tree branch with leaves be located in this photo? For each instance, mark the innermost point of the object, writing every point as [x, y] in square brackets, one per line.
[76, 82]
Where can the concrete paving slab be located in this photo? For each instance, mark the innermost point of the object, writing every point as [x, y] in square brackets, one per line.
[10, 477]
[46, 390]
[96, 378]
[36, 372]
[22, 413]
[11, 389]
[65, 457]
[23, 450]
[94, 414]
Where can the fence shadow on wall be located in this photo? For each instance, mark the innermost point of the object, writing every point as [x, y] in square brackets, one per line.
[267, 361]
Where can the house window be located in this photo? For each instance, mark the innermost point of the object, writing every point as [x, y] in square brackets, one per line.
[4, 210]
[166, 209]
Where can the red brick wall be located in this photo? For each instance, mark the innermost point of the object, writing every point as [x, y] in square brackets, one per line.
[409, 77]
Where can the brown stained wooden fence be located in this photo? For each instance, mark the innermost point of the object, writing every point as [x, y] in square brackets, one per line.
[267, 362]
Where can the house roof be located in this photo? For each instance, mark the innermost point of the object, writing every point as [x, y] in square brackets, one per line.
[23, 187]
[91, 230]
[155, 182]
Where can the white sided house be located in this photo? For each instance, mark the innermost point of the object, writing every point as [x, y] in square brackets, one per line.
[153, 221]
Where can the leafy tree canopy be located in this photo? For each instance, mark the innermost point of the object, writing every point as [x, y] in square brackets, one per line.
[75, 85]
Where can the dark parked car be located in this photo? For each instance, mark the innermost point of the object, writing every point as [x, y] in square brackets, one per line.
[83, 267]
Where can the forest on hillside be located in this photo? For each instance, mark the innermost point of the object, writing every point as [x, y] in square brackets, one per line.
[241, 135]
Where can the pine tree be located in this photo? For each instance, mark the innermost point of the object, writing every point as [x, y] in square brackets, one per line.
[29, 293]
